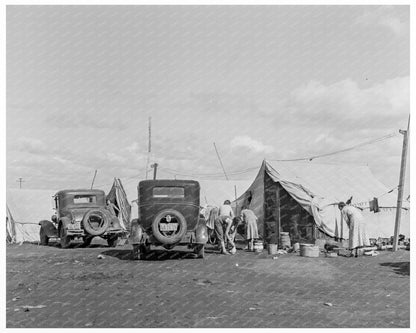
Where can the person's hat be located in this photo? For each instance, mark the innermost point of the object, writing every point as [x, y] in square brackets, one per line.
[341, 205]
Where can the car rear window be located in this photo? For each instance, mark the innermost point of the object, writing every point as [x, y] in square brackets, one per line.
[168, 192]
[83, 199]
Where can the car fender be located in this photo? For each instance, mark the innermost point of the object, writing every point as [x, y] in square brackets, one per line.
[49, 228]
[201, 232]
[137, 234]
[63, 223]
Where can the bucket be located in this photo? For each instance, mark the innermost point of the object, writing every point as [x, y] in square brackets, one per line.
[309, 250]
[284, 240]
[258, 246]
[296, 247]
[272, 248]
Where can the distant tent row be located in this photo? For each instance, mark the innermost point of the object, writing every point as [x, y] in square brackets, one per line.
[296, 197]
[301, 198]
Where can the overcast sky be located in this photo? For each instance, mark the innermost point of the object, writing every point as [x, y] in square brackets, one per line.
[274, 82]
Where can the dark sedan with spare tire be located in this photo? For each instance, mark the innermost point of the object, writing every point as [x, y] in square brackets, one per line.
[80, 214]
[169, 215]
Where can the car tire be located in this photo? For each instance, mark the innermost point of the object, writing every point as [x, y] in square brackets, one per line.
[44, 239]
[200, 251]
[65, 239]
[112, 241]
[174, 238]
[105, 222]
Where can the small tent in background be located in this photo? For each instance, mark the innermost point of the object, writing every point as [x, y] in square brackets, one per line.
[301, 198]
[117, 195]
[25, 209]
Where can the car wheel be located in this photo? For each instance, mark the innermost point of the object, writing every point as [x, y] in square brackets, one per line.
[169, 226]
[96, 221]
[65, 239]
[200, 250]
[112, 241]
[44, 239]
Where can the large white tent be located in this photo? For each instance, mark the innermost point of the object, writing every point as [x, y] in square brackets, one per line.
[25, 209]
[317, 188]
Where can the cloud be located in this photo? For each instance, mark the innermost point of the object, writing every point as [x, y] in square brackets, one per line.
[381, 106]
[251, 144]
[32, 145]
[384, 16]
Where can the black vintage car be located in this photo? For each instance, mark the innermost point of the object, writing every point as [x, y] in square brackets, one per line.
[168, 216]
[80, 214]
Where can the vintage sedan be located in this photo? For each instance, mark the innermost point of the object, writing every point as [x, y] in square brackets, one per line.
[169, 215]
[80, 214]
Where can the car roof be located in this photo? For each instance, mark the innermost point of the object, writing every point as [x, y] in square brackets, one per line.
[168, 182]
[81, 191]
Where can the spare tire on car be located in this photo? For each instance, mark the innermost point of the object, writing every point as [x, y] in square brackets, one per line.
[169, 226]
[96, 221]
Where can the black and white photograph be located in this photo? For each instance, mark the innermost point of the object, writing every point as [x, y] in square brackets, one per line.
[207, 166]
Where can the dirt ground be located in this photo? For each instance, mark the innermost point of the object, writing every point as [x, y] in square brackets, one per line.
[71, 288]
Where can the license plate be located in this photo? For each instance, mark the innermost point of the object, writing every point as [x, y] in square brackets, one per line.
[168, 226]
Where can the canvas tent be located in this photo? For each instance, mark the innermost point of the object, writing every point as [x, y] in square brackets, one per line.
[301, 198]
[117, 195]
[25, 208]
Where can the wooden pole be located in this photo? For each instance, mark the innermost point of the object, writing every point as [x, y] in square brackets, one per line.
[401, 185]
[149, 148]
[154, 166]
[93, 179]
[20, 180]
[278, 215]
[222, 166]
[235, 198]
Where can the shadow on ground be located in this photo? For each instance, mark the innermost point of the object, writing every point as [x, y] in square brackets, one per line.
[153, 255]
[401, 268]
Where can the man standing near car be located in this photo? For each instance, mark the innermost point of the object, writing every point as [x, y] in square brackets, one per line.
[223, 224]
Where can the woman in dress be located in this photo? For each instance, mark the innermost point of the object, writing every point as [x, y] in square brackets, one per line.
[355, 222]
[250, 220]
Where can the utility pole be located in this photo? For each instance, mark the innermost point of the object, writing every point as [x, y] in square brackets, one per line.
[154, 166]
[20, 180]
[93, 179]
[222, 166]
[401, 185]
[149, 148]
